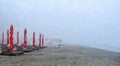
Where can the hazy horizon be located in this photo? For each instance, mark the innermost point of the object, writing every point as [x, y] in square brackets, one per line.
[87, 22]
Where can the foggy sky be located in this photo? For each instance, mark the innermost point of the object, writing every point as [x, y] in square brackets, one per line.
[84, 22]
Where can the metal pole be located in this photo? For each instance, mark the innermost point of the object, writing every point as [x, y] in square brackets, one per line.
[33, 39]
[3, 38]
[40, 40]
[7, 37]
[17, 37]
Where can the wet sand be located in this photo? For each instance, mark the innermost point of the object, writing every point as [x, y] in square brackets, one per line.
[64, 56]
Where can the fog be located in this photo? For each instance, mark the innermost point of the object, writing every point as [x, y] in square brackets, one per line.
[85, 22]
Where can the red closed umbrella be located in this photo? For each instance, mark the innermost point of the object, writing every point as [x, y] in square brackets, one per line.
[11, 38]
[25, 38]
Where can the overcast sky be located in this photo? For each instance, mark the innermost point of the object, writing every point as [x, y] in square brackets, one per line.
[88, 22]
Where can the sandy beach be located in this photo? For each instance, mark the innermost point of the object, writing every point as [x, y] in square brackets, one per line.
[64, 56]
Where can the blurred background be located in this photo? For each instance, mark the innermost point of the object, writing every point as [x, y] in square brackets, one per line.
[81, 22]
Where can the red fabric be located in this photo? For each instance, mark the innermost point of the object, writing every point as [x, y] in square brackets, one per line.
[25, 38]
[11, 38]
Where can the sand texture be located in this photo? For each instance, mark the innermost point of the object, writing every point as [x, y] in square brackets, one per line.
[65, 56]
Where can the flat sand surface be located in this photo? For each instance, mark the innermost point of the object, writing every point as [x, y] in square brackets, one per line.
[65, 56]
